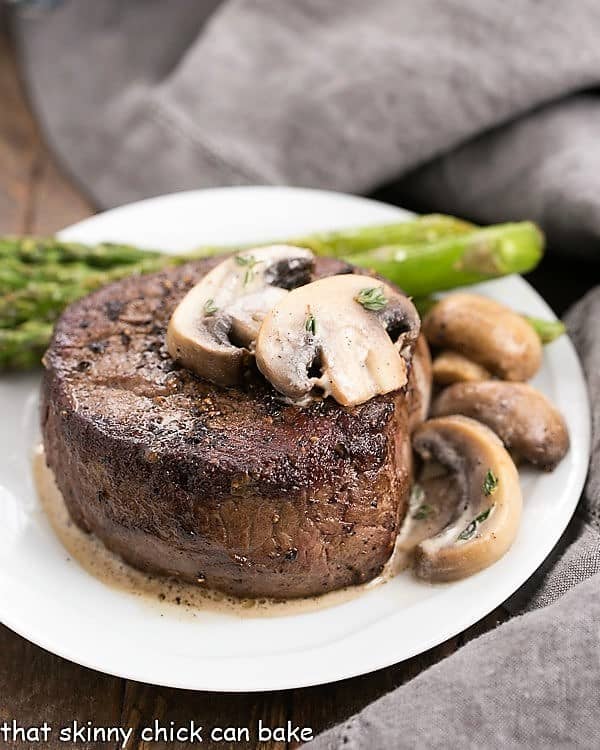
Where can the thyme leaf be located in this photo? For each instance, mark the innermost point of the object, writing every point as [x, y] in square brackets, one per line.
[470, 530]
[249, 261]
[490, 483]
[209, 307]
[372, 298]
[422, 512]
[310, 325]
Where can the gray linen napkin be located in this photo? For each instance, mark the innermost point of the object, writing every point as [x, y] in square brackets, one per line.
[533, 682]
[476, 105]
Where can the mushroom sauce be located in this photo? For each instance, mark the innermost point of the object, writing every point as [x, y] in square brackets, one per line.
[100, 562]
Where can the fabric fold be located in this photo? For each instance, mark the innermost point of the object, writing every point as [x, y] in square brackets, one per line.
[144, 98]
[532, 682]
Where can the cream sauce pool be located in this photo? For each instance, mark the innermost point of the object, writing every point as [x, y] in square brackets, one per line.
[97, 560]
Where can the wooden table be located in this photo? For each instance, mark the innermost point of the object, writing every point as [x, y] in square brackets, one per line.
[36, 198]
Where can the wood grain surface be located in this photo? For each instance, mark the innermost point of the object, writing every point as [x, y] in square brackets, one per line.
[35, 686]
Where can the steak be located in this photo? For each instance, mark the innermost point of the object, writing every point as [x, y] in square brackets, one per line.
[229, 487]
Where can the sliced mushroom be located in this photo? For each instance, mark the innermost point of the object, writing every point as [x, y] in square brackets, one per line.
[350, 336]
[521, 416]
[486, 332]
[433, 502]
[450, 367]
[216, 323]
[419, 384]
[486, 519]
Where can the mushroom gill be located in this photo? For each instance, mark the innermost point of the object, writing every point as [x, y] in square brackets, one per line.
[485, 520]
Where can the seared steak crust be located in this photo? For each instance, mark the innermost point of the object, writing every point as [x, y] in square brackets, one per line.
[230, 487]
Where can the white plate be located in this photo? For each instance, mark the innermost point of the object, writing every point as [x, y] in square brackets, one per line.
[55, 603]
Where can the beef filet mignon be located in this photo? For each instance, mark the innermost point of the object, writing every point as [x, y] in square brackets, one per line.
[229, 487]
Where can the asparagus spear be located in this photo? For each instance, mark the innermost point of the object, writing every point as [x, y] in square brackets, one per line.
[22, 348]
[37, 301]
[31, 259]
[418, 269]
[15, 274]
[458, 257]
[49, 250]
[40, 276]
[547, 330]
[45, 300]
[345, 242]
[457, 260]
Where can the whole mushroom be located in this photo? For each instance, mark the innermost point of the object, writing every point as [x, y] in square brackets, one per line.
[450, 367]
[521, 416]
[214, 327]
[486, 518]
[486, 332]
[347, 336]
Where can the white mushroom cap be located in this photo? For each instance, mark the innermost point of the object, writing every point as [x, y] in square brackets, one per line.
[360, 349]
[486, 519]
[215, 325]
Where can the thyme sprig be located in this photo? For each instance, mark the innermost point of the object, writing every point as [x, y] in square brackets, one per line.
[490, 483]
[209, 307]
[470, 530]
[372, 298]
[310, 325]
[423, 512]
[249, 261]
